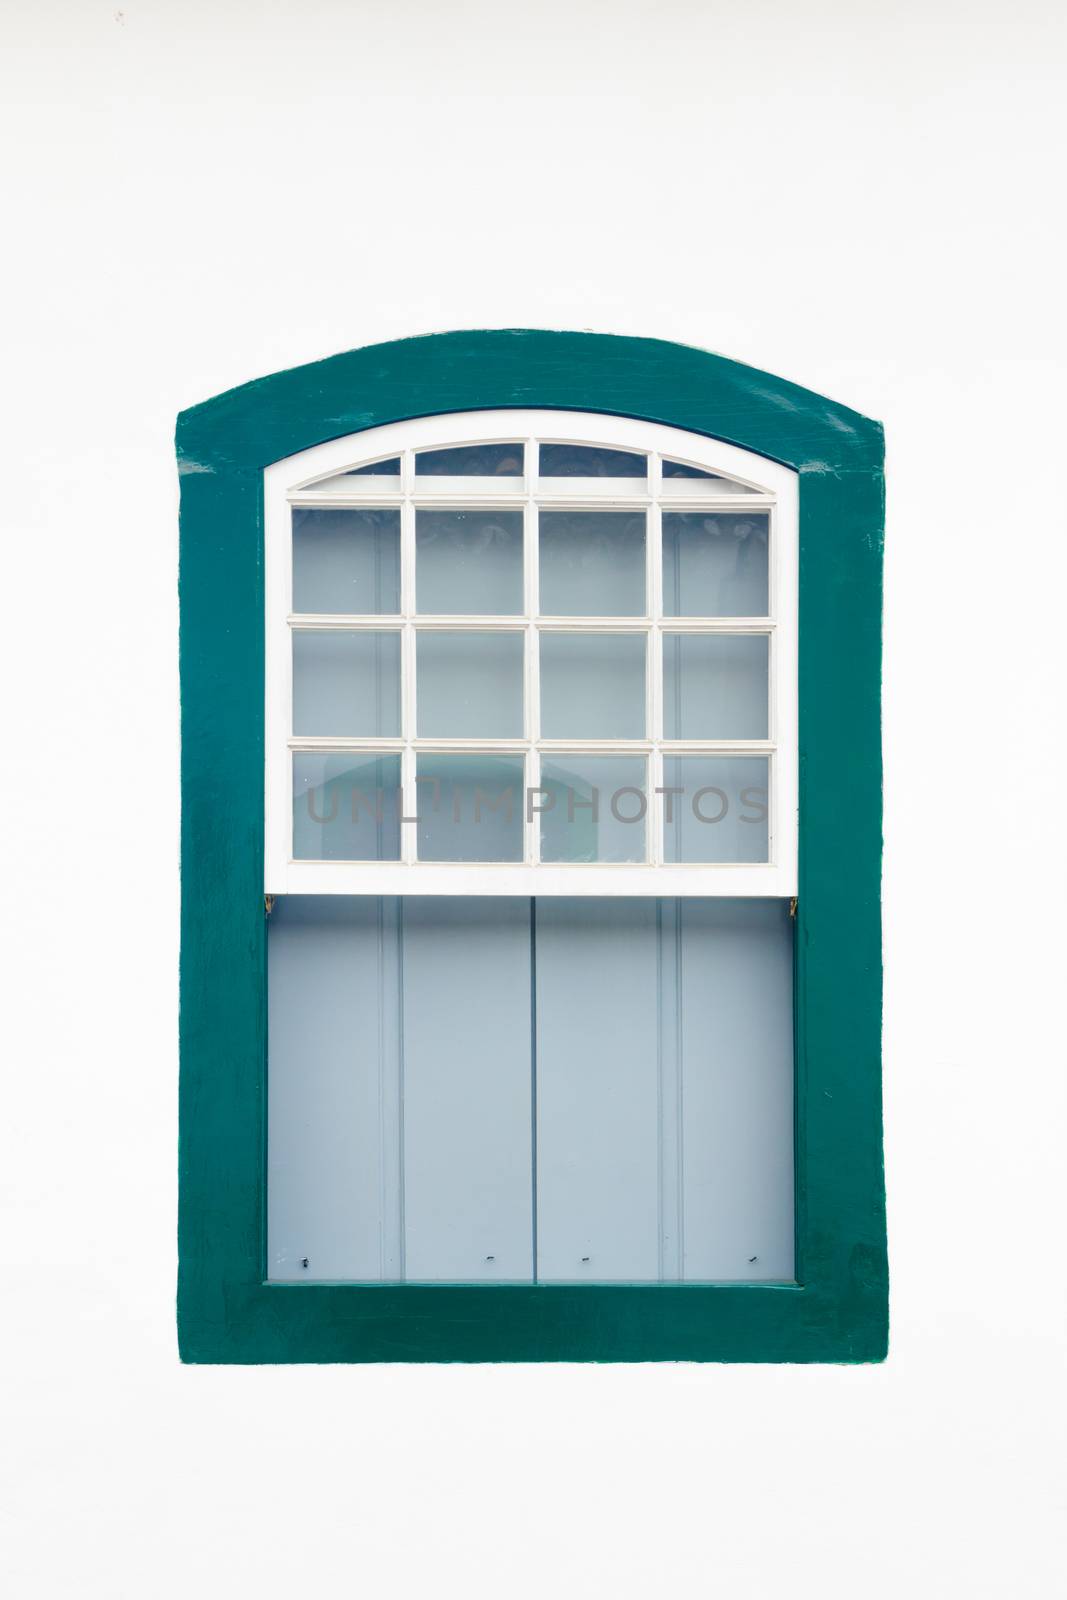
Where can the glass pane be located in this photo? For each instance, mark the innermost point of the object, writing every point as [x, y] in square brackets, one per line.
[362, 483]
[346, 807]
[346, 685]
[718, 808]
[682, 469]
[593, 808]
[470, 807]
[590, 461]
[715, 686]
[592, 563]
[593, 685]
[471, 461]
[469, 562]
[469, 685]
[346, 561]
[715, 565]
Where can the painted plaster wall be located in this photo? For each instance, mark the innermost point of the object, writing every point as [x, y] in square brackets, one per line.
[859, 198]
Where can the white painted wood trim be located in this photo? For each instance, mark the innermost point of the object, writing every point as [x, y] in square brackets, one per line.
[520, 878]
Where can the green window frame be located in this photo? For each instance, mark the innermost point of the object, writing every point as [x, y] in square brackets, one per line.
[838, 1308]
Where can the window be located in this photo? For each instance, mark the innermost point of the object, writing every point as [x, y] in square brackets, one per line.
[566, 655]
[516, 658]
[546, 721]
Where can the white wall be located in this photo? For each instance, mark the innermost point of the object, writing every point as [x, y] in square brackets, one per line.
[864, 198]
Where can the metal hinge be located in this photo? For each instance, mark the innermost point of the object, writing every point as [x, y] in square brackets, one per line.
[268, 903]
[793, 906]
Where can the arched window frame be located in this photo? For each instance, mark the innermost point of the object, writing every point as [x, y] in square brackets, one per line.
[295, 482]
[837, 1310]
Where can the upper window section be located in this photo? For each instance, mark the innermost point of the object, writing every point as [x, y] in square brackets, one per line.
[556, 649]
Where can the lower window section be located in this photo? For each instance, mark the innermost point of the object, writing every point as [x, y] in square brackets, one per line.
[498, 1090]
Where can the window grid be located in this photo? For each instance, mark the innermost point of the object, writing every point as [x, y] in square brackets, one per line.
[535, 494]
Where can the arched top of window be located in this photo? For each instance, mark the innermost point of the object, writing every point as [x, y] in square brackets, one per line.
[491, 454]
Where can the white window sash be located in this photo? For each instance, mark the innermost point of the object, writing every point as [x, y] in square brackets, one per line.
[293, 481]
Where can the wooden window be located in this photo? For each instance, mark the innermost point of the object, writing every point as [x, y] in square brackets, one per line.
[587, 620]
[590, 567]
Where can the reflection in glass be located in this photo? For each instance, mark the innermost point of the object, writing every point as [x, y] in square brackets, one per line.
[377, 469]
[346, 684]
[593, 808]
[346, 806]
[593, 685]
[469, 562]
[716, 808]
[592, 563]
[346, 561]
[470, 807]
[471, 461]
[590, 461]
[715, 565]
[682, 469]
[715, 686]
[469, 685]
